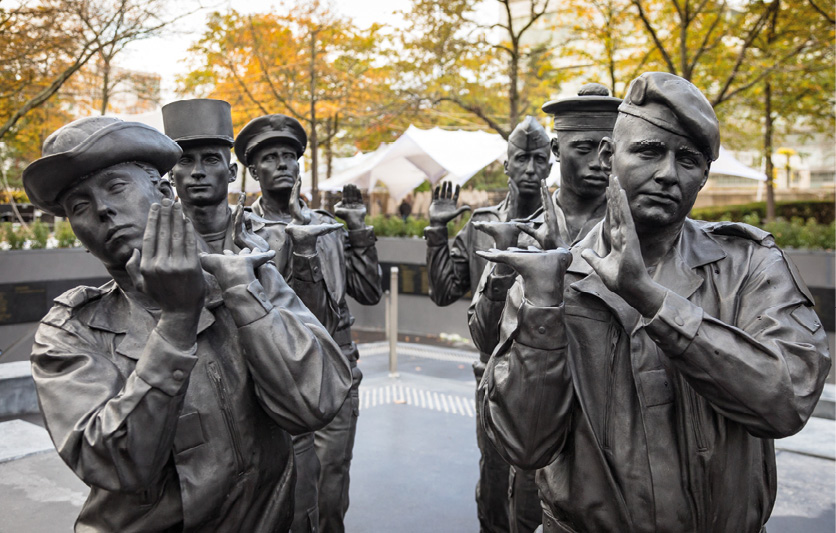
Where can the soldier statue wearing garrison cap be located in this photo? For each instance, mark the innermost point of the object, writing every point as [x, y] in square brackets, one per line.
[347, 262]
[647, 370]
[456, 269]
[172, 391]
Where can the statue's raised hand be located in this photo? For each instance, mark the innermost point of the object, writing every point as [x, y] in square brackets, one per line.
[351, 208]
[547, 234]
[504, 234]
[542, 271]
[231, 269]
[443, 207]
[304, 238]
[298, 215]
[244, 237]
[622, 268]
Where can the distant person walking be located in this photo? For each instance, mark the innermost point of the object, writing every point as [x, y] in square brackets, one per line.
[405, 209]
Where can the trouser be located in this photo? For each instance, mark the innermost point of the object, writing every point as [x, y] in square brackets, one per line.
[305, 509]
[334, 444]
[493, 491]
[523, 501]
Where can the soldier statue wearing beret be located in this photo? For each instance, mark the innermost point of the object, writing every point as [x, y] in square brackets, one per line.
[347, 261]
[172, 390]
[647, 371]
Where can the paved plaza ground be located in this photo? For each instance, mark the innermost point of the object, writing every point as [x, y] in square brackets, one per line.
[415, 458]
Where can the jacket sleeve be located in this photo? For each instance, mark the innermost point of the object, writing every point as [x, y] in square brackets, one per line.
[527, 385]
[115, 433]
[362, 268]
[767, 370]
[485, 311]
[448, 268]
[309, 285]
[301, 376]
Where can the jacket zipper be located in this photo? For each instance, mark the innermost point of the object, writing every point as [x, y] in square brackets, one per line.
[695, 420]
[215, 374]
[614, 335]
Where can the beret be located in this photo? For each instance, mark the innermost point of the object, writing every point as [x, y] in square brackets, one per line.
[529, 135]
[676, 105]
[593, 109]
[201, 119]
[87, 145]
[270, 128]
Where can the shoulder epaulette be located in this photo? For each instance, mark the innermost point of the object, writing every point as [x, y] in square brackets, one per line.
[742, 230]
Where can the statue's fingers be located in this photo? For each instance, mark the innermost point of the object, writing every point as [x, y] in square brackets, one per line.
[456, 193]
[461, 210]
[527, 229]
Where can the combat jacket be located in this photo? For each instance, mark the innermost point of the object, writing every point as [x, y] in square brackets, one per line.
[662, 424]
[193, 440]
[346, 260]
[485, 311]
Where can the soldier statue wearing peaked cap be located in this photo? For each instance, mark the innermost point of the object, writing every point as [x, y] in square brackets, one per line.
[347, 261]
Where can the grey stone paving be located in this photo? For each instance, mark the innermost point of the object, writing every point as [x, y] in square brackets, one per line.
[416, 462]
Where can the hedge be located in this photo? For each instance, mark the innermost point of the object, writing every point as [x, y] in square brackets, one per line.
[824, 212]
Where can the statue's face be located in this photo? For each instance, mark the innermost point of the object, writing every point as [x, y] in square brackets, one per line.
[527, 167]
[203, 173]
[108, 211]
[661, 172]
[580, 169]
[276, 166]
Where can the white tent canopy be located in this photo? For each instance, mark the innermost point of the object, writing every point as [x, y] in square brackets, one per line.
[419, 155]
[726, 165]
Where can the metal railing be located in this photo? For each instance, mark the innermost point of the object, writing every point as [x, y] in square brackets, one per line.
[392, 321]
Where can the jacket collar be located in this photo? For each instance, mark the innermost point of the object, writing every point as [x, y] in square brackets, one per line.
[117, 313]
[678, 271]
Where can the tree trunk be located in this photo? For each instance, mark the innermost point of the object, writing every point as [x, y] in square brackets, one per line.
[513, 93]
[314, 143]
[767, 153]
[105, 84]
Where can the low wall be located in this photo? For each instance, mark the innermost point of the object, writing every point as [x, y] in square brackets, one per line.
[30, 279]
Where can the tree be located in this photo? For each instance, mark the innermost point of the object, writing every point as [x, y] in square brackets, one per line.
[493, 73]
[310, 64]
[44, 45]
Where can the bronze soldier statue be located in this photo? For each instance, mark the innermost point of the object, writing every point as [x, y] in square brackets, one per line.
[347, 262]
[455, 270]
[203, 129]
[172, 390]
[647, 371]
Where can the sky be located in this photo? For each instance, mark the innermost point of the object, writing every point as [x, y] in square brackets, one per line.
[167, 54]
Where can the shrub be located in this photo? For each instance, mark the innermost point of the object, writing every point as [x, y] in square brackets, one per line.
[39, 234]
[15, 237]
[823, 212]
[64, 234]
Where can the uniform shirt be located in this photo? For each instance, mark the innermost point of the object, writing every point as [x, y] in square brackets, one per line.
[346, 260]
[193, 440]
[664, 424]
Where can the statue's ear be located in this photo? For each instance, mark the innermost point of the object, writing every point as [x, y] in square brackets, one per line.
[505, 165]
[605, 152]
[555, 148]
[705, 176]
[251, 168]
[233, 172]
[164, 186]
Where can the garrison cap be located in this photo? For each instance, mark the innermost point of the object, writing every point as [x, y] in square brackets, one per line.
[529, 135]
[90, 144]
[275, 128]
[593, 109]
[201, 119]
[676, 105]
